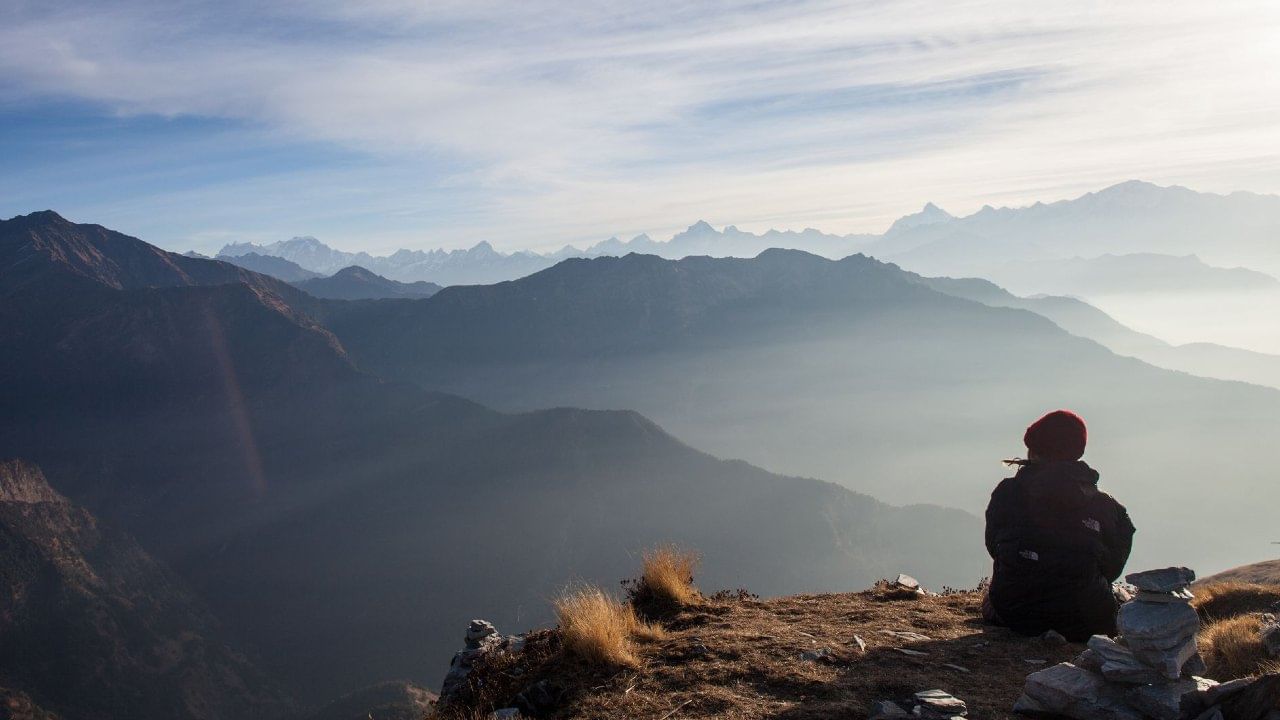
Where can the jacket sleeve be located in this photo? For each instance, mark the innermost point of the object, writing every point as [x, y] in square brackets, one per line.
[1118, 542]
[1000, 515]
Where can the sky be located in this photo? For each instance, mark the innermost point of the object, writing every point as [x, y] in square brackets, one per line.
[531, 124]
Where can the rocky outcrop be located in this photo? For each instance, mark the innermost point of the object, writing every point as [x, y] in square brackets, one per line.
[21, 482]
[482, 639]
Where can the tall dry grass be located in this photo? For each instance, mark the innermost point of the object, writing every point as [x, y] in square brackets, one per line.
[600, 629]
[1232, 648]
[1230, 598]
[667, 575]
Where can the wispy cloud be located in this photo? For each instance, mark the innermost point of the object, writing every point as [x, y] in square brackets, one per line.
[537, 123]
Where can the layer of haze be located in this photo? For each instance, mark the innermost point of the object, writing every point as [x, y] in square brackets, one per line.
[407, 124]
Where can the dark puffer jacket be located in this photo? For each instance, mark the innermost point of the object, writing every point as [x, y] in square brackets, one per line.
[1058, 543]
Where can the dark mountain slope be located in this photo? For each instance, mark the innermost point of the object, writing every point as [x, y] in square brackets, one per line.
[356, 283]
[92, 627]
[276, 267]
[37, 246]
[849, 370]
[345, 527]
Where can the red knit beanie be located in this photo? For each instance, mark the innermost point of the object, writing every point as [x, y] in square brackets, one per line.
[1060, 435]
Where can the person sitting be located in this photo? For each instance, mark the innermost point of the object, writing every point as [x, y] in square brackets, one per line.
[1057, 541]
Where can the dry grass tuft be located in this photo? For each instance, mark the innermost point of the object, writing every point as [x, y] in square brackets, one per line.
[1232, 648]
[600, 629]
[668, 575]
[1229, 599]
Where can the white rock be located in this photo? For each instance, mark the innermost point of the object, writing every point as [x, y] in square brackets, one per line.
[478, 630]
[1179, 596]
[940, 702]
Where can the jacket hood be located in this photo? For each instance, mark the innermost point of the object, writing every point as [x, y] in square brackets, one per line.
[1071, 482]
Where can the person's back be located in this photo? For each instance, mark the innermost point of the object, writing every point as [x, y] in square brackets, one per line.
[1056, 540]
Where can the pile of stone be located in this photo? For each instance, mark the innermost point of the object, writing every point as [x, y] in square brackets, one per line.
[1151, 671]
[482, 638]
[925, 705]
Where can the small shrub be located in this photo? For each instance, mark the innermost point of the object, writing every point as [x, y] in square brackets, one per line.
[1232, 648]
[667, 576]
[738, 595]
[601, 630]
[1229, 599]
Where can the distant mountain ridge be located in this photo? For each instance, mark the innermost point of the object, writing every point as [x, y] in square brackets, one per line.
[276, 267]
[1132, 218]
[357, 283]
[1125, 274]
[1129, 218]
[479, 264]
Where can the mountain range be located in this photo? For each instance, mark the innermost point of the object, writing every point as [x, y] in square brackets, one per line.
[341, 527]
[479, 264]
[1134, 217]
[1131, 236]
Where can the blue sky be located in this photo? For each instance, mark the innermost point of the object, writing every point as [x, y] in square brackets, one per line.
[397, 123]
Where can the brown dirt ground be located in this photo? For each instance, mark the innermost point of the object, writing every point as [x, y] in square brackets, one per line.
[740, 658]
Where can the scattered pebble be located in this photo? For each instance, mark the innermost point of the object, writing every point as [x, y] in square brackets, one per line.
[814, 655]
[1053, 637]
[909, 636]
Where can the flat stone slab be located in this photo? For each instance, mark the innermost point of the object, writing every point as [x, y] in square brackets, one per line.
[1066, 689]
[1165, 701]
[1168, 661]
[1157, 625]
[1117, 663]
[1162, 580]
[940, 702]
[1217, 693]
